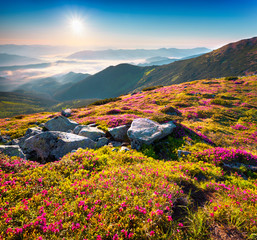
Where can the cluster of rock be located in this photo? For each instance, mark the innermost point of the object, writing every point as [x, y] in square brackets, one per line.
[62, 135]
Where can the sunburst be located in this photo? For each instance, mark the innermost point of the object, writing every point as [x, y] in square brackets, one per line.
[77, 25]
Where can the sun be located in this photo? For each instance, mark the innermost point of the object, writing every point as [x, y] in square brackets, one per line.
[77, 25]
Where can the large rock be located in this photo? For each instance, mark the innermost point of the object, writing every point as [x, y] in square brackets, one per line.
[91, 132]
[238, 165]
[119, 133]
[30, 132]
[12, 150]
[101, 142]
[145, 131]
[53, 145]
[33, 131]
[66, 113]
[78, 128]
[61, 124]
[5, 139]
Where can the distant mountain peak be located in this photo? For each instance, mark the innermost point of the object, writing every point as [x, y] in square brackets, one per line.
[130, 54]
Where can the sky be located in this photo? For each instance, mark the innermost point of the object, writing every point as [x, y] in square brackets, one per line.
[98, 24]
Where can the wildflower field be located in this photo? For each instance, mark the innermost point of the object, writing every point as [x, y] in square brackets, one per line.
[146, 194]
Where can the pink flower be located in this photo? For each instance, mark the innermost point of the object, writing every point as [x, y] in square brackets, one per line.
[159, 212]
[115, 237]
[9, 230]
[180, 225]
[130, 235]
[125, 232]
[169, 218]
[152, 233]
[212, 214]
[18, 230]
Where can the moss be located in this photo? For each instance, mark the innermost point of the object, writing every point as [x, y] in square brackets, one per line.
[231, 78]
[151, 88]
[104, 101]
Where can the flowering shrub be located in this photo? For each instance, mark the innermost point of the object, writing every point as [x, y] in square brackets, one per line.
[17, 127]
[16, 164]
[101, 194]
[73, 197]
[239, 127]
[222, 155]
[236, 206]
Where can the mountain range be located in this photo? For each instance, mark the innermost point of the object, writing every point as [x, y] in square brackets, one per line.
[28, 66]
[34, 51]
[10, 59]
[126, 54]
[239, 58]
[158, 61]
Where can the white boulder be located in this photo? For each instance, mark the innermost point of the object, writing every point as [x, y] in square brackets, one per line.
[12, 150]
[145, 131]
[61, 124]
[53, 145]
[119, 133]
[91, 132]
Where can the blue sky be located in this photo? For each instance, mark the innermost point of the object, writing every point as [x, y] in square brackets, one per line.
[100, 24]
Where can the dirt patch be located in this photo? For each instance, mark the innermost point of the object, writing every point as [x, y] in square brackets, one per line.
[220, 232]
[179, 208]
[199, 196]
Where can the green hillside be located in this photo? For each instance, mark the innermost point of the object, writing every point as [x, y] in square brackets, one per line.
[17, 103]
[239, 58]
[111, 82]
[233, 59]
[12, 103]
